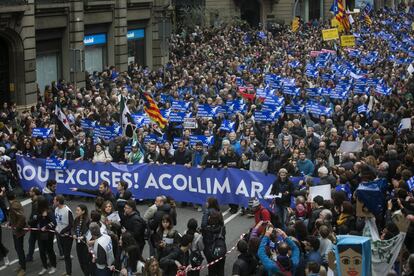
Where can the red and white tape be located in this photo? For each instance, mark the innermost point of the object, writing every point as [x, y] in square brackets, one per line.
[182, 272]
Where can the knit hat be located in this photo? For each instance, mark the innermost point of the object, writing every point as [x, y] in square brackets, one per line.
[256, 203]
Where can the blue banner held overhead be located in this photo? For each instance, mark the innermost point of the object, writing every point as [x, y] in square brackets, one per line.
[41, 132]
[148, 181]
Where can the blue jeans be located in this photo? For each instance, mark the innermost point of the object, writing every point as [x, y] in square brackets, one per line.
[282, 212]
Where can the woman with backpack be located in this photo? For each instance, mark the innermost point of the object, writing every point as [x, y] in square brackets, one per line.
[211, 205]
[214, 239]
[197, 247]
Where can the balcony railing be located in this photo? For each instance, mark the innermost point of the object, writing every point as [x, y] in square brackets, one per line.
[51, 1]
[12, 2]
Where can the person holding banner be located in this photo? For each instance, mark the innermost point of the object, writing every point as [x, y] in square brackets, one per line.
[103, 191]
[101, 154]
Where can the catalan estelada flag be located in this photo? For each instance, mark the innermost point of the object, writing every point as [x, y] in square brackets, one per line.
[338, 10]
[366, 12]
[367, 19]
[153, 112]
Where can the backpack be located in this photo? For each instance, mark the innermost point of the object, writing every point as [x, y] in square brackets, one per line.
[196, 258]
[219, 248]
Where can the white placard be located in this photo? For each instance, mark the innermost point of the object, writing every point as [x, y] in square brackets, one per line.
[190, 123]
[114, 217]
[351, 146]
[323, 190]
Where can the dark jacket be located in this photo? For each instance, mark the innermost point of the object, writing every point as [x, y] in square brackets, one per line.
[182, 157]
[165, 209]
[106, 195]
[80, 227]
[136, 226]
[49, 195]
[121, 201]
[245, 265]
[210, 233]
[168, 265]
[17, 218]
[313, 217]
[33, 213]
[40, 221]
[286, 188]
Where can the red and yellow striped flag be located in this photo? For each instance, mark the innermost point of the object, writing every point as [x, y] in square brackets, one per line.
[153, 112]
[367, 19]
[342, 16]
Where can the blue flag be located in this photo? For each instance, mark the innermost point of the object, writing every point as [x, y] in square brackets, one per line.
[207, 141]
[140, 119]
[180, 106]
[207, 111]
[294, 109]
[410, 183]
[55, 164]
[227, 126]
[362, 109]
[41, 132]
[87, 124]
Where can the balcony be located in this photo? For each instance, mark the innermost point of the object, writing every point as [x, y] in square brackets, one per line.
[52, 4]
[139, 2]
[98, 3]
[9, 6]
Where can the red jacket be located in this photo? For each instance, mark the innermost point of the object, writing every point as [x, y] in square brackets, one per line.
[262, 214]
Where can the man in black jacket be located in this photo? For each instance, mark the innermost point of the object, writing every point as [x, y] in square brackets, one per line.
[134, 224]
[34, 192]
[178, 258]
[104, 191]
[317, 207]
[246, 263]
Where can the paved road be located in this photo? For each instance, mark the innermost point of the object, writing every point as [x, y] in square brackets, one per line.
[235, 226]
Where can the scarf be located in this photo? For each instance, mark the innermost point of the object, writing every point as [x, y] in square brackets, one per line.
[342, 218]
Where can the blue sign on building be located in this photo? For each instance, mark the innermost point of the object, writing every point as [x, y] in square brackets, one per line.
[96, 39]
[135, 34]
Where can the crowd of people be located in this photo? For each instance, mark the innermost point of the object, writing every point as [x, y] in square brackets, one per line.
[219, 67]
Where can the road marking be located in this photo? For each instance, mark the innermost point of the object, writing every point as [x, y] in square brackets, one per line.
[26, 201]
[231, 218]
[16, 260]
[226, 212]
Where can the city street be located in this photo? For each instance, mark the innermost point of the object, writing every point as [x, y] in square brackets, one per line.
[235, 226]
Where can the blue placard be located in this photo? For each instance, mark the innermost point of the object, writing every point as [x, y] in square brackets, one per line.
[41, 132]
[55, 164]
[207, 141]
[96, 39]
[135, 34]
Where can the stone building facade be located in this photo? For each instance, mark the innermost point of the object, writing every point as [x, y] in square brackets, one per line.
[46, 40]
